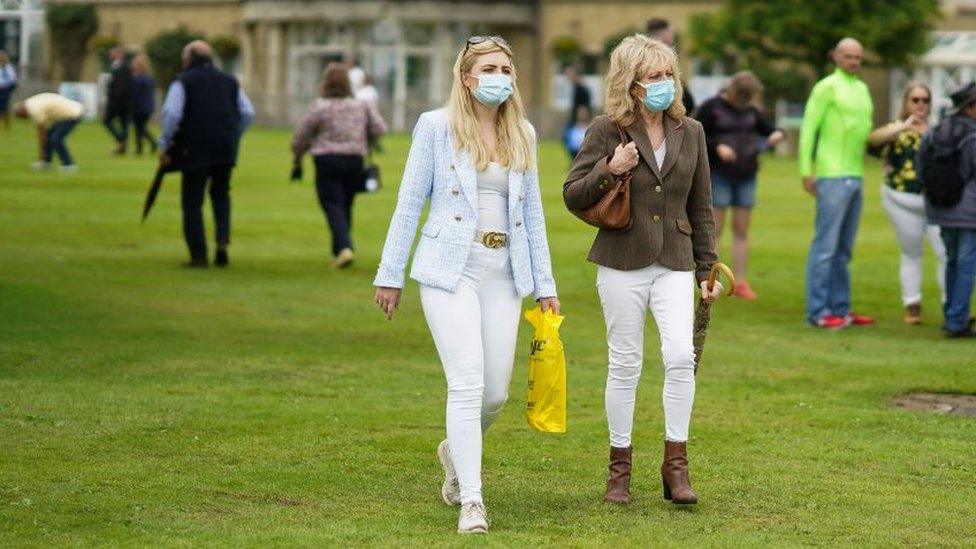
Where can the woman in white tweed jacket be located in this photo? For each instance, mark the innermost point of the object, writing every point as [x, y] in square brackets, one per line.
[482, 249]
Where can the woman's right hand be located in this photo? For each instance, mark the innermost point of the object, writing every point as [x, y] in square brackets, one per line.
[388, 300]
[624, 159]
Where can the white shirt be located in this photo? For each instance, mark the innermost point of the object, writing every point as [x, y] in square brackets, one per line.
[49, 108]
[659, 154]
[357, 77]
[368, 93]
[493, 198]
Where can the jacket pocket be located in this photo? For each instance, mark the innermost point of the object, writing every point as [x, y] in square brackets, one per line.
[430, 230]
[684, 227]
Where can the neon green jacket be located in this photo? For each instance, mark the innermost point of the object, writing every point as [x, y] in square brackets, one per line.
[836, 121]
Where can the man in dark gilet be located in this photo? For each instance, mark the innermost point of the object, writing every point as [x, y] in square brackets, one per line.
[203, 118]
[118, 101]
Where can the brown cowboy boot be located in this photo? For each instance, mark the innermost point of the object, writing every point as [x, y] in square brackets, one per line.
[674, 474]
[618, 481]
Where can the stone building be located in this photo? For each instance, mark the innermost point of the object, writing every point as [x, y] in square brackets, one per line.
[409, 46]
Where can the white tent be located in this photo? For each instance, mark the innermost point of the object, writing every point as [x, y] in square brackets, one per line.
[950, 63]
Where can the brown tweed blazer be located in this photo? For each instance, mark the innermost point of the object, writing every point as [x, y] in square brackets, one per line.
[671, 207]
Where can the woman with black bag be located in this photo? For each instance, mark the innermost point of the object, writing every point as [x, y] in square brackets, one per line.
[337, 129]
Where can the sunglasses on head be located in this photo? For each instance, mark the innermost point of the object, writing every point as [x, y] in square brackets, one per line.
[920, 100]
[475, 40]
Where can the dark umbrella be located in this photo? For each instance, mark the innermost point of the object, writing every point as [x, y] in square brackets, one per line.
[172, 166]
[703, 313]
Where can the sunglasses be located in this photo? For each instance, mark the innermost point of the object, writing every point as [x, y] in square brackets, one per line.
[475, 40]
[921, 100]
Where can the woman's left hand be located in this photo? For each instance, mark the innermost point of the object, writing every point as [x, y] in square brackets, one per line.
[549, 303]
[709, 296]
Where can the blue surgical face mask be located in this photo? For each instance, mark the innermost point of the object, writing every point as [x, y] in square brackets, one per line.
[659, 95]
[493, 89]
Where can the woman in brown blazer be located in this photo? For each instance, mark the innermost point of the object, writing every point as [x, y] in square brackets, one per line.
[653, 264]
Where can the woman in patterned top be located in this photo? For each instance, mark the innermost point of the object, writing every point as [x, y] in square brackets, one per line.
[334, 130]
[897, 143]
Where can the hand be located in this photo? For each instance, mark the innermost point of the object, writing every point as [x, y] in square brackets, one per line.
[549, 303]
[775, 138]
[624, 159]
[164, 159]
[388, 300]
[708, 296]
[726, 153]
[810, 185]
[909, 122]
[296, 172]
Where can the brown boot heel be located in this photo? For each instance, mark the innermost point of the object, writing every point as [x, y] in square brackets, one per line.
[618, 479]
[674, 474]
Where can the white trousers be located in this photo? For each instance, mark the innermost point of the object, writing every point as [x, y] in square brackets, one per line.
[475, 330]
[626, 297]
[907, 214]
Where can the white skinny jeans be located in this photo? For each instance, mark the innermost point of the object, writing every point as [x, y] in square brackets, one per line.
[626, 296]
[907, 214]
[475, 331]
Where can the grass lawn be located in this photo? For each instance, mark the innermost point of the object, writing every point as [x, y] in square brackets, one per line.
[271, 404]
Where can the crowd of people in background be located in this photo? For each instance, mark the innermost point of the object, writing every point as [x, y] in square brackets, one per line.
[341, 129]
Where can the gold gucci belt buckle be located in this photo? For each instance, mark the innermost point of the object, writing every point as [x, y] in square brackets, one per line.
[494, 240]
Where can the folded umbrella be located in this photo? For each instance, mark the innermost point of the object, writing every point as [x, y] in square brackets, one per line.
[703, 313]
[157, 181]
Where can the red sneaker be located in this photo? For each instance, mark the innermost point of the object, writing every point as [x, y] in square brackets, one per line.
[859, 320]
[744, 291]
[831, 322]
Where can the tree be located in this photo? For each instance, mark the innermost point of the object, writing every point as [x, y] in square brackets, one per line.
[71, 27]
[165, 51]
[777, 37]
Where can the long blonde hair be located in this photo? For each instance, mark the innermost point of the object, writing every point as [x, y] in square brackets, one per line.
[906, 95]
[513, 146]
[629, 62]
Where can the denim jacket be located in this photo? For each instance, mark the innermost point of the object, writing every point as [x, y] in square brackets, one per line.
[435, 171]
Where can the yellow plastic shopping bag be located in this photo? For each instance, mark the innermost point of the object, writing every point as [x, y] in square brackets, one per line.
[546, 401]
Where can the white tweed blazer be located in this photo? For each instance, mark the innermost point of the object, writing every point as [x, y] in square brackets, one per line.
[448, 179]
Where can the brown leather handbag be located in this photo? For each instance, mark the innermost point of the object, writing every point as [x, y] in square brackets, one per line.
[612, 212]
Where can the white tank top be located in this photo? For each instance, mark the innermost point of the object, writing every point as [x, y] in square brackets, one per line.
[493, 198]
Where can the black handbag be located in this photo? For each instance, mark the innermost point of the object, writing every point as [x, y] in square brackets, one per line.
[371, 171]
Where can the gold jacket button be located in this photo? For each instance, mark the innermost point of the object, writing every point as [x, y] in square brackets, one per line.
[657, 189]
[656, 218]
[457, 218]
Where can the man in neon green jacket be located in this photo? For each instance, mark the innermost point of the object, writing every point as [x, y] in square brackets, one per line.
[833, 140]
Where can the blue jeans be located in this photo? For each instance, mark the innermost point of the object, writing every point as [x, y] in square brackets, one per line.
[828, 292]
[56, 136]
[960, 275]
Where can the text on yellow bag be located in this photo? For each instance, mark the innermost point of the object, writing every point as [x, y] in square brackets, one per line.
[546, 400]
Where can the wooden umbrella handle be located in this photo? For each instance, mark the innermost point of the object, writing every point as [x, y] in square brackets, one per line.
[724, 269]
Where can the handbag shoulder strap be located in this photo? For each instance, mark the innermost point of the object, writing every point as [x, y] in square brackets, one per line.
[623, 135]
[624, 139]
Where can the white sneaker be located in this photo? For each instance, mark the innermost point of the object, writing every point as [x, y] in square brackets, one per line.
[41, 166]
[451, 489]
[344, 259]
[70, 168]
[473, 519]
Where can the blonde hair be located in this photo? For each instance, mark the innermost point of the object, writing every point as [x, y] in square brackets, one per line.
[634, 57]
[913, 85]
[513, 145]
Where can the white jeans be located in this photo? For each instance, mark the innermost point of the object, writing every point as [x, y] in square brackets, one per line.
[626, 296]
[907, 214]
[475, 331]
